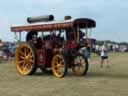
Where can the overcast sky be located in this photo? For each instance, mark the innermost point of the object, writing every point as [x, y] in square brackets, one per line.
[111, 15]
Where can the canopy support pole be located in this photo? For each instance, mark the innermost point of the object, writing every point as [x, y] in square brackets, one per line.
[19, 36]
[78, 34]
[86, 30]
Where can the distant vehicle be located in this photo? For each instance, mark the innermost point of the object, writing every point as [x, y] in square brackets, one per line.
[4, 52]
[52, 46]
[123, 48]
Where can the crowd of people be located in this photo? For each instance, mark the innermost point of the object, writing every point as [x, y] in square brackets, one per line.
[7, 50]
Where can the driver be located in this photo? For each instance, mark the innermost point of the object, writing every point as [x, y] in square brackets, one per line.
[31, 35]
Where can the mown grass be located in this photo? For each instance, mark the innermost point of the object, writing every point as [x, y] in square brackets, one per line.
[104, 81]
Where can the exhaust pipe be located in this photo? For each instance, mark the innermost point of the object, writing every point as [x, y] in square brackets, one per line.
[44, 18]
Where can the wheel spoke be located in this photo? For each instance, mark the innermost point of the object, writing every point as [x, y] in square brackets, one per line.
[22, 57]
[80, 59]
[25, 69]
[60, 66]
[24, 65]
[25, 51]
[83, 63]
[29, 54]
[22, 53]
[29, 65]
[30, 57]
[57, 60]
[21, 61]
[31, 61]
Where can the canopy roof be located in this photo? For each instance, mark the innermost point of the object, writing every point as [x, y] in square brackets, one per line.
[56, 25]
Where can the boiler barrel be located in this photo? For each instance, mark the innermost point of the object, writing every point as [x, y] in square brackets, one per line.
[44, 18]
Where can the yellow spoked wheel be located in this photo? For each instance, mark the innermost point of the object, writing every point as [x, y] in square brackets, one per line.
[25, 59]
[59, 66]
[80, 65]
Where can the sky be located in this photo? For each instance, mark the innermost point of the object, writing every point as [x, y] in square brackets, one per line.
[111, 16]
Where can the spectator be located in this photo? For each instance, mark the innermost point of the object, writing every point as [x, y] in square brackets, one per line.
[86, 51]
[12, 48]
[104, 54]
[1, 55]
[89, 52]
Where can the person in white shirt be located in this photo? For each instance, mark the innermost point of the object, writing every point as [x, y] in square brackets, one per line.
[104, 54]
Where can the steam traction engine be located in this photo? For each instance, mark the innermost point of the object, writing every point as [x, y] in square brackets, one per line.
[52, 46]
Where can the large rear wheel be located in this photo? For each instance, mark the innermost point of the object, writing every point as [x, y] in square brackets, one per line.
[59, 66]
[25, 59]
[80, 65]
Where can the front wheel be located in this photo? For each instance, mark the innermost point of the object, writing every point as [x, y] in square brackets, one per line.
[80, 65]
[59, 66]
[25, 59]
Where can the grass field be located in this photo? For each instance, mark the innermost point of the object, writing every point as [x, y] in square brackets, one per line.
[104, 81]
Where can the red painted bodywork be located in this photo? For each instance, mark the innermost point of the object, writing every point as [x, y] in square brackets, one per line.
[40, 57]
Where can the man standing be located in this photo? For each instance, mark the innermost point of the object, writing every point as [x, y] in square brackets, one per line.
[104, 54]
